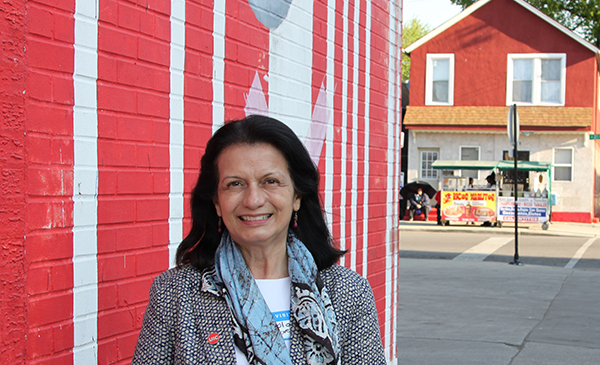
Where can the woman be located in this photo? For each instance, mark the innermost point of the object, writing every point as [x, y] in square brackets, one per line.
[256, 281]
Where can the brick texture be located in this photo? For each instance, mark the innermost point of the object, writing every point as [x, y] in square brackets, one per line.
[134, 100]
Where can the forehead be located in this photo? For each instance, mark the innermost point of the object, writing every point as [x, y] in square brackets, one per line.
[259, 156]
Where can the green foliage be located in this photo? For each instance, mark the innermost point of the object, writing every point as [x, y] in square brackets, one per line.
[411, 32]
[582, 16]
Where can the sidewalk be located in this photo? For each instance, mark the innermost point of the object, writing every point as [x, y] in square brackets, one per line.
[462, 312]
[554, 229]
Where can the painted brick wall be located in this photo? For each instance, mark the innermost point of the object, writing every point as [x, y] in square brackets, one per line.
[106, 108]
[12, 183]
[49, 160]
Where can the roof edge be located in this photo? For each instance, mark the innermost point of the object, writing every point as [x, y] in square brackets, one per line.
[558, 26]
[475, 6]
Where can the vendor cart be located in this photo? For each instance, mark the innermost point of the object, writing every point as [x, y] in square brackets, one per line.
[493, 203]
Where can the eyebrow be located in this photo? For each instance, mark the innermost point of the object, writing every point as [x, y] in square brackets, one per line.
[262, 177]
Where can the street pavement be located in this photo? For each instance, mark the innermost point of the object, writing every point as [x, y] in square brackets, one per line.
[468, 312]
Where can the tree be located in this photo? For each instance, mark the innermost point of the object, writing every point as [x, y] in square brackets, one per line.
[581, 16]
[411, 32]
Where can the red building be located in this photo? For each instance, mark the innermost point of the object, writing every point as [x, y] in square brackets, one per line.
[106, 109]
[496, 53]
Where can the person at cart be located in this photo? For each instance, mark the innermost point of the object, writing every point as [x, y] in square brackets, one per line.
[491, 183]
[419, 202]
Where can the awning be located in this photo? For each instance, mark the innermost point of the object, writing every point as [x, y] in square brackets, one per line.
[490, 165]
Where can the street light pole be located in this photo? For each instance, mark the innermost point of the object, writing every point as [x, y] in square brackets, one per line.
[515, 151]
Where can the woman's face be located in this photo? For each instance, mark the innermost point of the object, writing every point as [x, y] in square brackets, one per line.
[255, 194]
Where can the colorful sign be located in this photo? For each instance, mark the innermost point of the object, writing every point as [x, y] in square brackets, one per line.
[531, 210]
[468, 206]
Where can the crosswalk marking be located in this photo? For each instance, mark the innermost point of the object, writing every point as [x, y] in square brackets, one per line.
[484, 249]
[579, 254]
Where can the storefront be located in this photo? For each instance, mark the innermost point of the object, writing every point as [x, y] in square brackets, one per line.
[463, 201]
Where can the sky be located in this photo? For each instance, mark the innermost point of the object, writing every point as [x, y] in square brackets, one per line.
[432, 12]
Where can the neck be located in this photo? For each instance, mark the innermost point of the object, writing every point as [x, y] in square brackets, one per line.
[267, 264]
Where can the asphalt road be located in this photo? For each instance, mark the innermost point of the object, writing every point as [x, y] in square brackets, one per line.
[460, 302]
[558, 251]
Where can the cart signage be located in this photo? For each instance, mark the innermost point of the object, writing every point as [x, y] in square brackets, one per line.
[468, 206]
[531, 210]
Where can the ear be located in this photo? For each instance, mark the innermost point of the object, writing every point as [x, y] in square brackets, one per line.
[217, 206]
[296, 205]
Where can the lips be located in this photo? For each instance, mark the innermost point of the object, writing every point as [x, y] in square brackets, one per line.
[248, 218]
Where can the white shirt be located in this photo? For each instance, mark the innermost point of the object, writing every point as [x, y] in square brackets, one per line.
[277, 295]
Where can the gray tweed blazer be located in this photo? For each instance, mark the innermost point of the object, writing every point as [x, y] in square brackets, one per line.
[180, 319]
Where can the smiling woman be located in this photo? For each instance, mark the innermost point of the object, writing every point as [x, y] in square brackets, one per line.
[255, 199]
[257, 280]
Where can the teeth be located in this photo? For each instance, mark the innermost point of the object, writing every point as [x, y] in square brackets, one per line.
[256, 218]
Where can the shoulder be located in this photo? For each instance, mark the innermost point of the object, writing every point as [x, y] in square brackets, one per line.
[345, 284]
[175, 282]
[174, 276]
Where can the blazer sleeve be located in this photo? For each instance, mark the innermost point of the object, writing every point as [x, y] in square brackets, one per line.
[354, 304]
[155, 345]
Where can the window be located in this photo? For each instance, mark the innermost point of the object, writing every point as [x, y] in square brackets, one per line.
[439, 76]
[427, 158]
[536, 79]
[469, 154]
[563, 164]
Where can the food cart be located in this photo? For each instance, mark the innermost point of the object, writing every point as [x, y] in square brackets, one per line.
[461, 202]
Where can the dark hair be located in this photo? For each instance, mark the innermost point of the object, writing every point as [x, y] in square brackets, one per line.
[198, 248]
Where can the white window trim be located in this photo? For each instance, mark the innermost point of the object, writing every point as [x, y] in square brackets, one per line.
[571, 165]
[537, 69]
[429, 78]
[478, 156]
[421, 150]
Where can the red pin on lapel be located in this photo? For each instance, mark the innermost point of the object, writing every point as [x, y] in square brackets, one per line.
[213, 338]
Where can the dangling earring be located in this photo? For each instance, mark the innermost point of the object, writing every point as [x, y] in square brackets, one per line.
[295, 219]
[220, 228]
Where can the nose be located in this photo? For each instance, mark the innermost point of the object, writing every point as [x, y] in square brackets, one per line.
[254, 197]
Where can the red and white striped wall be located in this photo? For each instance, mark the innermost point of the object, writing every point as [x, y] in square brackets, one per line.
[121, 101]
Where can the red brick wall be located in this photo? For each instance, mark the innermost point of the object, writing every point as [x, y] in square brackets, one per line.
[49, 127]
[38, 159]
[12, 183]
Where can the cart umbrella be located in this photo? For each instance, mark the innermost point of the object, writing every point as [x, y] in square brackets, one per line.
[411, 188]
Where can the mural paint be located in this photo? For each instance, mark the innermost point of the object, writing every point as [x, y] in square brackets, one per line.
[146, 86]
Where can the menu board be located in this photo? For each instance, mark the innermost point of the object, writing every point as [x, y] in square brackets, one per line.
[531, 210]
[468, 206]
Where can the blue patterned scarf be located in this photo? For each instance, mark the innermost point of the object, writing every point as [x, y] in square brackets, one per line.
[254, 329]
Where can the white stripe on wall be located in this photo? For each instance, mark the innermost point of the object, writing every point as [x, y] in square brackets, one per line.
[329, 163]
[392, 219]
[176, 135]
[354, 130]
[344, 133]
[218, 81]
[85, 184]
[365, 242]
[290, 68]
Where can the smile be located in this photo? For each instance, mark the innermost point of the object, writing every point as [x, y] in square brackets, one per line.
[247, 218]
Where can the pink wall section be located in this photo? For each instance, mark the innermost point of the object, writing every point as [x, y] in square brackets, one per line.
[38, 156]
[480, 44]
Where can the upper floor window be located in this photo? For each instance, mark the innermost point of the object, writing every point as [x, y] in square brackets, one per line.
[439, 79]
[536, 79]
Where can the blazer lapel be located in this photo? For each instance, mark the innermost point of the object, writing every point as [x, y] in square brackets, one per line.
[213, 320]
[296, 344]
